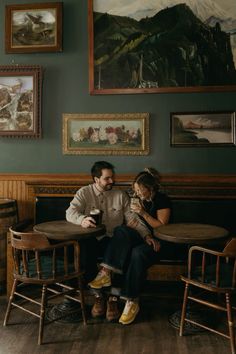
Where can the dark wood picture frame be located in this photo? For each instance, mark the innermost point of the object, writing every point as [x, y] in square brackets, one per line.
[196, 129]
[128, 56]
[20, 101]
[31, 28]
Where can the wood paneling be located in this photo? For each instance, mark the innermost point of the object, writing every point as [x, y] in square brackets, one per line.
[24, 188]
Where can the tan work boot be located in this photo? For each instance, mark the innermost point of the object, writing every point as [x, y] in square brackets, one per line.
[113, 312]
[98, 308]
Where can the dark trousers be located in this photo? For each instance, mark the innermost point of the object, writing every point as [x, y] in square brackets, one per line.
[91, 252]
[132, 256]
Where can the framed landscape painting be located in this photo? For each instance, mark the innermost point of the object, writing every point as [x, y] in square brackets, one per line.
[33, 27]
[106, 134]
[160, 46]
[202, 129]
[20, 101]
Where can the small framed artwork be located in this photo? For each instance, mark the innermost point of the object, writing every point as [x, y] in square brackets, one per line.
[202, 129]
[33, 28]
[106, 134]
[20, 101]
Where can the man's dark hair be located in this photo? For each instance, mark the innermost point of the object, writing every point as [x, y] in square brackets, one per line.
[96, 170]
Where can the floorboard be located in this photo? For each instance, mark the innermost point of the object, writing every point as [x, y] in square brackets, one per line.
[151, 332]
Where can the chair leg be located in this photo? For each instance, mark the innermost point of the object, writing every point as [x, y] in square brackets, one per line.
[82, 302]
[230, 322]
[183, 314]
[42, 313]
[10, 302]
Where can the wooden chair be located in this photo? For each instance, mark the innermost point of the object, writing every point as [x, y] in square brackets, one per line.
[38, 262]
[216, 273]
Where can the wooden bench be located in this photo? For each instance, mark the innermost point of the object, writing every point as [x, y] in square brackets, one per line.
[205, 200]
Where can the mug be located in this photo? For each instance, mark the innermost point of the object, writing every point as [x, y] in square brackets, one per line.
[96, 215]
[134, 201]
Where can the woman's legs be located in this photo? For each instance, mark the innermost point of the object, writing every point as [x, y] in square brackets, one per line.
[117, 255]
[115, 259]
[91, 250]
[118, 252]
[142, 257]
[127, 254]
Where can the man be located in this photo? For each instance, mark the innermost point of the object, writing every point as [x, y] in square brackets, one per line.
[114, 205]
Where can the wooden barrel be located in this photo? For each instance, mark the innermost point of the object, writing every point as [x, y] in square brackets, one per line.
[8, 217]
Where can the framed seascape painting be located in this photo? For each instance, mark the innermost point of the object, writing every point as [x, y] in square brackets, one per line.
[20, 101]
[161, 46]
[33, 27]
[106, 134]
[202, 129]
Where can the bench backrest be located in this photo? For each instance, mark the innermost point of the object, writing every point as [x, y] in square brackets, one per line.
[218, 212]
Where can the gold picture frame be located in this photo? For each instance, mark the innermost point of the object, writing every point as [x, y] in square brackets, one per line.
[106, 134]
[31, 28]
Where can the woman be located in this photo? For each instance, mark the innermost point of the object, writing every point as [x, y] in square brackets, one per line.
[130, 254]
[154, 206]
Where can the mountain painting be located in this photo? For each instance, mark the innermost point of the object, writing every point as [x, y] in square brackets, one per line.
[141, 46]
[203, 129]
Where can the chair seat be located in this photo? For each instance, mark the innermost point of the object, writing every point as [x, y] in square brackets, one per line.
[225, 275]
[209, 287]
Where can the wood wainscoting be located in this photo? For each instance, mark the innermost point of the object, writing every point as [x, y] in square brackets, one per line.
[25, 188]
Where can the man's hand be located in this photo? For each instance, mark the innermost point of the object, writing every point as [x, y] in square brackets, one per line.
[153, 242]
[88, 221]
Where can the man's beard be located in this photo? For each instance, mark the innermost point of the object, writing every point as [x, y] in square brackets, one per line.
[108, 187]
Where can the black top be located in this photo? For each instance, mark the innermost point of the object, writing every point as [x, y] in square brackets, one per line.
[160, 201]
[169, 250]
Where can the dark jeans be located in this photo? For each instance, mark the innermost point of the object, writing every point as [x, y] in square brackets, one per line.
[91, 252]
[128, 253]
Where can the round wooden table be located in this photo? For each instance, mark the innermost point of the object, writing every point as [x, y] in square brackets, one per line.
[190, 233]
[62, 230]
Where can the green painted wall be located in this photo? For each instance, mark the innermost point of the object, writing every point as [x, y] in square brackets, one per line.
[65, 90]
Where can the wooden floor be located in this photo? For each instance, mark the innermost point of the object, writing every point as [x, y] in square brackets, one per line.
[150, 333]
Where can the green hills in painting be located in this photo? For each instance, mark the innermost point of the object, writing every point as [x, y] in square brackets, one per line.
[171, 49]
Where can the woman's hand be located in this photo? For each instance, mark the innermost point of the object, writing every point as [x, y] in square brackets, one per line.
[153, 242]
[137, 208]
